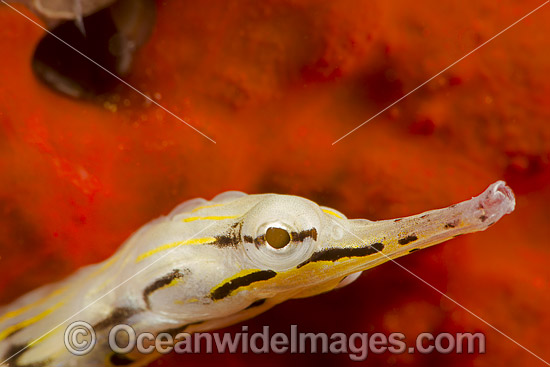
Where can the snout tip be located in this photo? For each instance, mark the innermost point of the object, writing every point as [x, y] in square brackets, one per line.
[499, 198]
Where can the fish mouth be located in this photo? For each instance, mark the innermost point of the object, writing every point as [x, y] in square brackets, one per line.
[497, 200]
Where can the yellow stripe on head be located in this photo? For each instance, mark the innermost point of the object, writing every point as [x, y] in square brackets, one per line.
[332, 213]
[193, 241]
[213, 217]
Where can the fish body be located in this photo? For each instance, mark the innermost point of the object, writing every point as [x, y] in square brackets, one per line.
[210, 264]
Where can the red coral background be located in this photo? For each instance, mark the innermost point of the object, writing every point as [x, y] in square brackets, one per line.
[275, 84]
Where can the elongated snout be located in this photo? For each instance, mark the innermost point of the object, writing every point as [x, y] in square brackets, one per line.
[366, 244]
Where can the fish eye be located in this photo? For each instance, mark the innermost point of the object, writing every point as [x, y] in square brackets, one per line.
[277, 237]
[279, 232]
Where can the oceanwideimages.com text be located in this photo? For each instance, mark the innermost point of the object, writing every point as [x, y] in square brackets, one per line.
[80, 339]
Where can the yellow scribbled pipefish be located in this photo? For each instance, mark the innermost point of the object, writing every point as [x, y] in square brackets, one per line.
[210, 264]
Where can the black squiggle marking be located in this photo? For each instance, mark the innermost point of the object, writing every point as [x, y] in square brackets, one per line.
[256, 303]
[333, 254]
[117, 359]
[452, 224]
[117, 316]
[232, 237]
[225, 289]
[159, 283]
[408, 239]
[300, 236]
[16, 348]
